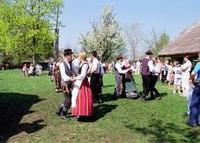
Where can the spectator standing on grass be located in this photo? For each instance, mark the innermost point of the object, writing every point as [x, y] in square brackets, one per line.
[177, 78]
[186, 68]
[164, 71]
[31, 70]
[169, 79]
[25, 69]
[194, 118]
[38, 69]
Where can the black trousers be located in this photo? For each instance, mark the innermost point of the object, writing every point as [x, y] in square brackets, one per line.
[123, 94]
[154, 91]
[67, 101]
[146, 79]
[62, 109]
[95, 83]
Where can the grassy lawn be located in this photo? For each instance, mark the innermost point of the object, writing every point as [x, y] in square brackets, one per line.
[27, 114]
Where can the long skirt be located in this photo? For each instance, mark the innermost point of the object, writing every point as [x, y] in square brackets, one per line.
[84, 101]
[131, 91]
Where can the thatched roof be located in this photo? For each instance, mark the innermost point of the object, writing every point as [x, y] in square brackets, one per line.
[187, 42]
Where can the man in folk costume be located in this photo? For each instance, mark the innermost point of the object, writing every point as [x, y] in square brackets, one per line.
[186, 68]
[194, 118]
[67, 73]
[118, 69]
[146, 75]
[95, 79]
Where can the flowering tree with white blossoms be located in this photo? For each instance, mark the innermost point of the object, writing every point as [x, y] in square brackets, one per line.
[105, 36]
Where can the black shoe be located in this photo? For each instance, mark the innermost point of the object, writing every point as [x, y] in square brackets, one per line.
[143, 98]
[63, 115]
[152, 97]
[59, 111]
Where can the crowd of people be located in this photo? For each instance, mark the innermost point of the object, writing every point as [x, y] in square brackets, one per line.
[80, 79]
[31, 69]
[185, 80]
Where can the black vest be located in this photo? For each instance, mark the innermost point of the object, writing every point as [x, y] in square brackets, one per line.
[68, 71]
[80, 68]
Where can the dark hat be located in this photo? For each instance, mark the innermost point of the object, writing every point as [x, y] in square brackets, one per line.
[68, 52]
[149, 52]
[120, 56]
[94, 53]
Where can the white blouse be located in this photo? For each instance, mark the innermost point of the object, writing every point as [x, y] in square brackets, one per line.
[78, 82]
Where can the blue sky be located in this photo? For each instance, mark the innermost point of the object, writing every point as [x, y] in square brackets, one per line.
[170, 16]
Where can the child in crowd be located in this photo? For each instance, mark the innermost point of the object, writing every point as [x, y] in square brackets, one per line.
[25, 69]
[170, 75]
[177, 78]
[164, 71]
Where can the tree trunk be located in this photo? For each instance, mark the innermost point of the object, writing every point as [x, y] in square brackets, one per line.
[33, 58]
[56, 43]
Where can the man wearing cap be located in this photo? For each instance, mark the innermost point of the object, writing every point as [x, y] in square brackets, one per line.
[95, 81]
[194, 118]
[145, 72]
[118, 75]
[67, 73]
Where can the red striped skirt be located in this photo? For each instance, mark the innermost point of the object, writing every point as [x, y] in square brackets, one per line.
[84, 101]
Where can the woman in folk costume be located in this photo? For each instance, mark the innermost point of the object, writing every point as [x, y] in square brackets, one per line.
[130, 88]
[82, 100]
[57, 75]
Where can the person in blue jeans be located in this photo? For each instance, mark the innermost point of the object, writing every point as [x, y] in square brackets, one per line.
[189, 98]
[194, 119]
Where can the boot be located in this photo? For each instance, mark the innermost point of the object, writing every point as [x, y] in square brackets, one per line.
[143, 97]
[60, 109]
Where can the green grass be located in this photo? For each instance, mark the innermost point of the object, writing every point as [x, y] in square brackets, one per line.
[27, 114]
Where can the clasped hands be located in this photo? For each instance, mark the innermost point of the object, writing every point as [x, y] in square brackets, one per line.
[73, 79]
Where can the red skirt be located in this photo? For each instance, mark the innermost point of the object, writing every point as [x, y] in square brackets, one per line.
[84, 101]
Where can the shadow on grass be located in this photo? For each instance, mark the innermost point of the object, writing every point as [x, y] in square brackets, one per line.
[99, 112]
[106, 86]
[160, 132]
[13, 106]
[163, 94]
[108, 97]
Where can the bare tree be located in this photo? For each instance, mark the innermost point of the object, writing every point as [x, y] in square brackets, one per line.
[133, 34]
[156, 41]
[151, 40]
